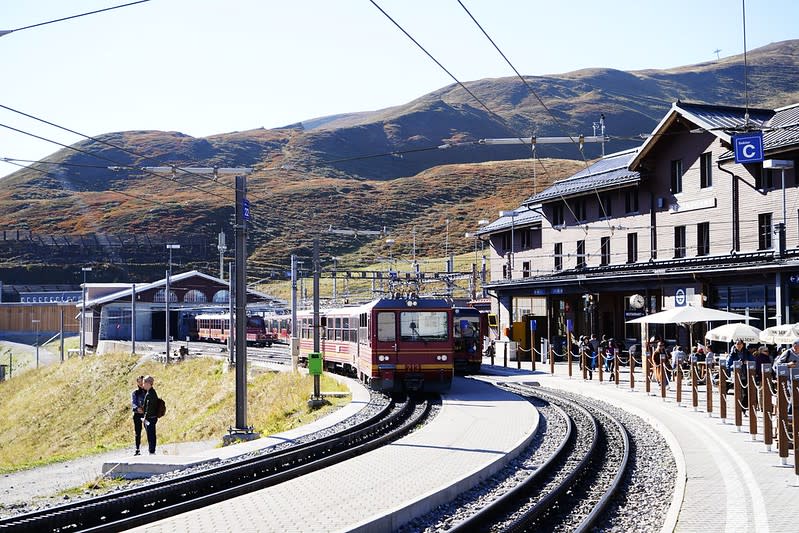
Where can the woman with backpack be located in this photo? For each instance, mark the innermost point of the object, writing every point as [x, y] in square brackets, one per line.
[150, 417]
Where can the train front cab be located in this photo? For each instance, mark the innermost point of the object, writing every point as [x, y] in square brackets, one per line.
[470, 326]
[411, 346]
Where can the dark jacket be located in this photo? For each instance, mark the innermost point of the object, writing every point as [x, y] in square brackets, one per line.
[151, 404]
[739, 355]
[137, 399]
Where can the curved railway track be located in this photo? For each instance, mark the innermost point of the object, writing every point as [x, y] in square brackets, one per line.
[572, 488]
[125, 509]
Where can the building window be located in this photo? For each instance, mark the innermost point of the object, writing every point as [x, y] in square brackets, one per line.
[631, 200]
[221, 297]
[679, 242]
[706, 170]
[506, 241]
[764, 178]
[195, 297]
[558, 256]
[764, 231]
[527, 239]
[557, 215]
[606, 205]
[676, 176]
[580, 254]
[505, 271]
[160, 296]
[579, 210]
[526, 269]
[605, 251]
[632, 247]
[703, 238]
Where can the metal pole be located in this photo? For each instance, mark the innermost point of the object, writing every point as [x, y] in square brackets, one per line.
[37, 342]
[241, 304]
[133, 319]
[317, 325]
[334, 280]
[166, 325]
[294, 340]
[231, 348]
[61, 329]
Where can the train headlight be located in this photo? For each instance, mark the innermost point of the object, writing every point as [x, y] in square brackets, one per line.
[442, 357]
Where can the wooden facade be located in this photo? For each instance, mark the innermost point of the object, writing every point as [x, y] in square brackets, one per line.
[18, 318]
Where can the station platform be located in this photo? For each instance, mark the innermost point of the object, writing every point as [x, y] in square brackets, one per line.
[725, 480]
[143, 466]
[477, 431]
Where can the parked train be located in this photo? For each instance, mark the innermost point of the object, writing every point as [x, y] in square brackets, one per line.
[215, 327]
[391, 344]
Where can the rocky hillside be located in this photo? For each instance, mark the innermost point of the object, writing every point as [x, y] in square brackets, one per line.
[362, 170]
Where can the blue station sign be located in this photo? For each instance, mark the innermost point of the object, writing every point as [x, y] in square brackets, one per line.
[748, 147]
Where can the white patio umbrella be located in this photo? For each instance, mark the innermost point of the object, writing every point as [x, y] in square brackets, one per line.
[784, 334]
[689, 315]
[732, 332]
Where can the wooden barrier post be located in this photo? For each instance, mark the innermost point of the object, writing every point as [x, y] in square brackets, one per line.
[616, 365]
[782, 413]
[723, 393]
[532, 344]
[694, 392]
[751, 396]
[767, 406]
[505, 354]
[631, 361]
[519, 356]
[663, 377]
[737, 393]
[647, 373]
[569, 347]
[599, 356]
[678, 380]
[709, 385]
[551, 360]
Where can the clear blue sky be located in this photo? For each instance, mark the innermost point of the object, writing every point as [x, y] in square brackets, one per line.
[211, 66]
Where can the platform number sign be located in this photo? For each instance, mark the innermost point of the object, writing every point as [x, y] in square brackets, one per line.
[679, 298]
[245, 209]
[748, 147]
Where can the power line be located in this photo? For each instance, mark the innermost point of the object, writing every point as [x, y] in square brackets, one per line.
[115, 163]
[101, 141]
[4, 32]
[46, 173]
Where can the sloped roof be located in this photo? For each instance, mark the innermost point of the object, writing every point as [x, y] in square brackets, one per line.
[126, 293]
[524, 218]
[609, 172]
[721, 121]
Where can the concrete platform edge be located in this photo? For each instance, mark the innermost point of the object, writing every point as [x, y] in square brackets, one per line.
[429, 501]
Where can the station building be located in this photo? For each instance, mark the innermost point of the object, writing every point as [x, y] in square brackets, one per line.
[675, 218]
[110, 306]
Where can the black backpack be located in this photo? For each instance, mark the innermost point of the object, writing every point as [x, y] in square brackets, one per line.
[160, 409]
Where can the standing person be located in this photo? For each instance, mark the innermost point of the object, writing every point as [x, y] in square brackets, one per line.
[137, 405]
[150, 411]
[740, 353]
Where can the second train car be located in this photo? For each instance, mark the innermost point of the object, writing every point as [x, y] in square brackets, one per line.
[391, 344]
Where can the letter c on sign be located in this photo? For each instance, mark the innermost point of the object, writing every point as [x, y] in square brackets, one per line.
[748, 151]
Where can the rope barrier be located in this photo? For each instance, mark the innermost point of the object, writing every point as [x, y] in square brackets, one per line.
[788, 434]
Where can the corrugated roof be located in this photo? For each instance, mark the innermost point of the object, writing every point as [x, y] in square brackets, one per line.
[524, 217]
[609, 172]
[721, 119]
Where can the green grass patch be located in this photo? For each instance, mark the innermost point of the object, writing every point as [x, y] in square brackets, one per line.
[82, 406]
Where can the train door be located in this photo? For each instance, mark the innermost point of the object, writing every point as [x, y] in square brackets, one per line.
[386, 349]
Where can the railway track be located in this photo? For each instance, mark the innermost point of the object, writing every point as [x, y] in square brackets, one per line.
[125, 509]
[572, 487]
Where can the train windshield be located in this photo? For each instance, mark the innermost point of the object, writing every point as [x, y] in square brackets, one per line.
[255, 322]
[423, 326]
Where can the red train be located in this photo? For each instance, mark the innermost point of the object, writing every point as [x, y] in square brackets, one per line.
[216, 328]
[392, 345]
[470, 329]
[279, 326]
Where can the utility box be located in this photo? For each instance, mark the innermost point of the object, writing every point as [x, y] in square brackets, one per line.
[315, 363]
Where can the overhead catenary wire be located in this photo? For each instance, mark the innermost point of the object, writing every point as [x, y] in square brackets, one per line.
[31, 26]
[103, 158]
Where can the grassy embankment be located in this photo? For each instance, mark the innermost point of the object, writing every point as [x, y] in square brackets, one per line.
[63, 411]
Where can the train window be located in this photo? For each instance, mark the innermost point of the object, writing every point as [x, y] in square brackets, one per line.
[386, 327]
[423, 325]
